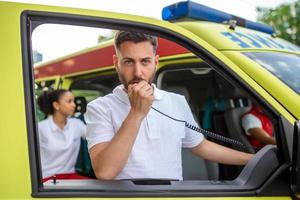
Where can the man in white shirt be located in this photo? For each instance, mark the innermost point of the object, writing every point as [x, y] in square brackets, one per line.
[127, 139]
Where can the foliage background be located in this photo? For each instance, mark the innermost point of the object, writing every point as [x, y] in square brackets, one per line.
[285, 19]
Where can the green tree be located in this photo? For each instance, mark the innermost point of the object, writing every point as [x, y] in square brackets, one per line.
[103, 38]
[285, 19]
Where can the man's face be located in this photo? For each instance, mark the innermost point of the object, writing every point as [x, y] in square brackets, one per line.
[135, 62]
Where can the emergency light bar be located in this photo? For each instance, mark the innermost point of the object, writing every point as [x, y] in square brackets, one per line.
[192, 10]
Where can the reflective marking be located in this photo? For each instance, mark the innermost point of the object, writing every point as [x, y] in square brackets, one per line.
[253, 40]
[235, 39]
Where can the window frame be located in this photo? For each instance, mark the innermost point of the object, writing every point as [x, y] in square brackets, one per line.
[30, 20]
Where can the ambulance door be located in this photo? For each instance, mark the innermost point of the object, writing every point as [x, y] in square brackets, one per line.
[253, 180]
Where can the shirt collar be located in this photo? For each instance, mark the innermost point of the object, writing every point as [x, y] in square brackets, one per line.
[122, 95]
[54, 127]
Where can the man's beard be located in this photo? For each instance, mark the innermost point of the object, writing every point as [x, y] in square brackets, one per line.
[134, 80]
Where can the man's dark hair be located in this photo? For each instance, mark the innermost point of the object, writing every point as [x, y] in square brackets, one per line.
[125, 36]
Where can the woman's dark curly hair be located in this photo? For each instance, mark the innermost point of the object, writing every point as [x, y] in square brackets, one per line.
[46, 99]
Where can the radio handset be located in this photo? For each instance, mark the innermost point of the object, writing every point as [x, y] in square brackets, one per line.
[206, 132]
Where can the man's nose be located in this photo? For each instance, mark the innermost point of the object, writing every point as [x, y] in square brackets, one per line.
[138, 70]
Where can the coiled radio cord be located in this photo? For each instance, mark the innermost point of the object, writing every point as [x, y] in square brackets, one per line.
[206, 132]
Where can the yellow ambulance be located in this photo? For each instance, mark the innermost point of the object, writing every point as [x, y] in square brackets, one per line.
[221, 63]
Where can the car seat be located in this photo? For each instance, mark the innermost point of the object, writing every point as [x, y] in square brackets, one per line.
[235, 131]
[80, 108]
[194, 167]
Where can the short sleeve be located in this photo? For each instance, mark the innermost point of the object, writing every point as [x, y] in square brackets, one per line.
[250, 121]
[192, 138]
[99, 127]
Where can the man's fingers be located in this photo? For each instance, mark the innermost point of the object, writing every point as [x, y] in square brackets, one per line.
[140, 86]
[142, 89]
[130, 88]
[149, 91]
[146, 90]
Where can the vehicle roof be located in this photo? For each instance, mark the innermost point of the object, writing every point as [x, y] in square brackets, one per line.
[222, 37]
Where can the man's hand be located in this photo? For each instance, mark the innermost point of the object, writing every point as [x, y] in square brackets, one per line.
[262, 136]
[140, 97]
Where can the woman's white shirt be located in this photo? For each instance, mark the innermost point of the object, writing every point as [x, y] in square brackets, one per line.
[60, 147]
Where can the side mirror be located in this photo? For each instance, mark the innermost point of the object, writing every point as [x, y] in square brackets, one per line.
[295, 175]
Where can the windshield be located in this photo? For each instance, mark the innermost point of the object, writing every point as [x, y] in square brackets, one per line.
[286, 67]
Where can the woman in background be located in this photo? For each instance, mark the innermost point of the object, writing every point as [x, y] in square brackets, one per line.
[59, 135]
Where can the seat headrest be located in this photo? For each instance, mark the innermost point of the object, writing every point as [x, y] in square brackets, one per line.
[80, 104]
[238, 102]
[179, 90]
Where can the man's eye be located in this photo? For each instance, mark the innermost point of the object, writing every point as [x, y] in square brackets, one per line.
[146, 61]
[127, 62]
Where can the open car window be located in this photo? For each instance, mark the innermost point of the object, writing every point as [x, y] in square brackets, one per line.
[216, 99]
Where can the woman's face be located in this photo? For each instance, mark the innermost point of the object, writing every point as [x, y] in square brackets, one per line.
[65, 104]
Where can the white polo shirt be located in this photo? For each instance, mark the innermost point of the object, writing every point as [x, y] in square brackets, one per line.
[156, 152]
[250, 121]
[60, 147]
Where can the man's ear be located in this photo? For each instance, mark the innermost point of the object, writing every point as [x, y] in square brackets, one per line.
[156, 61]
[115, 61]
